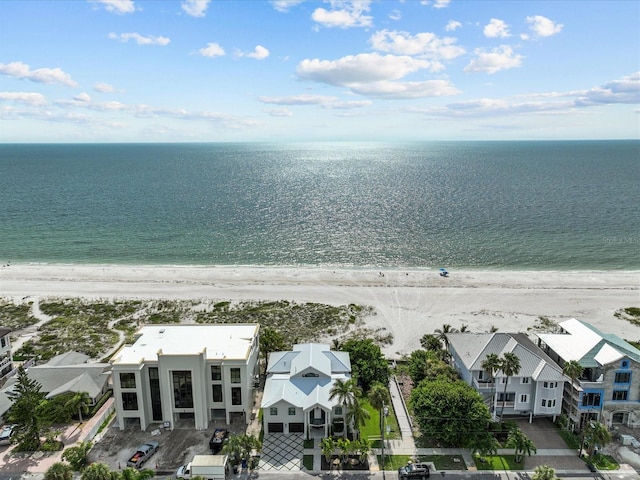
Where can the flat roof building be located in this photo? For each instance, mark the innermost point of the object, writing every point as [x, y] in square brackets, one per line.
[191, 373]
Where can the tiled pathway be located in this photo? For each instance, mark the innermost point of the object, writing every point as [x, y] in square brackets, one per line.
[281, 452]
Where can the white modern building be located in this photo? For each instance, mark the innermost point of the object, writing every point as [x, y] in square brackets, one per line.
[6, 359]
[609, 388]
[297, 390]
[191, 374]
[536, 390]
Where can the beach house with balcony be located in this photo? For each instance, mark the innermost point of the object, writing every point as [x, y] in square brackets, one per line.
[297, 390]
[186, 374]
[535, 391]
[609, 388]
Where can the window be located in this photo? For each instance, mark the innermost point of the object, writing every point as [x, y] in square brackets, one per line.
[338, 410]
[550, 384]
[524, 398]
[591, 400]
[548, 403]
[182, 390]
[3, 342]
[129, 401]
[544, 402]
[524, 380]
[620, 394]
[310, 374]
[127, 380]
[236, 396]
[623, 377]
[625, 364]
[217, 393]
[216, 372]
[235, 375]
[273, 411]
[510, 396]
[292, 410]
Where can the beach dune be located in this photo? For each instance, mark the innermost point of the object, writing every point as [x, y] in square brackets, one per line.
[407, 303]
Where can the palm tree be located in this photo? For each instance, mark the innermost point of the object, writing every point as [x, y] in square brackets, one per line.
[80, 402]
[328, 446]
[357, 415]
[363, 447]
[97, 471]
[345, 447]
[346, 392]
[509, 366]
[379, 398]
[596, 434]
[442, 334]
[573, 370]
[492, 364]
[520, 443]
[544, 472]
[134, 474]
[59, 471]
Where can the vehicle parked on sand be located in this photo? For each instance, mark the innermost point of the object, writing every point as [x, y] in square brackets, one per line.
[218, 438]
[414, 470]
[142, 454]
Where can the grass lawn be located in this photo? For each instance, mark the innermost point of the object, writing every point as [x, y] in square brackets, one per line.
[308, 443]
[604, 462]
[371, 429]
[498, 462]
[307, 462]
[393, 462]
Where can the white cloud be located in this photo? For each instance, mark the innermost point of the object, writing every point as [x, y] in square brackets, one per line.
[140, 39]
[195, 8]
[280, 112]
[395, 15]
[27, 98]
[117, 6]
[285, 5]
[212, 50]
[501, 58]
[625, 90]
[105, 88]
[324, 101]
[41, 75]
[452, 25]
[362, 68]
[406, 90]
[259, 53]
[82, 97]
[543, 27]
[350, 14]
[496, 28]
[426, 44]
[441, 3]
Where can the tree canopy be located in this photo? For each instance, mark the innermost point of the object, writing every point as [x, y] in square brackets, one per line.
[452, 412]
[368, 364]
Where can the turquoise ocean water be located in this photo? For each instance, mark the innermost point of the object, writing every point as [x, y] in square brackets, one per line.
[508, 205]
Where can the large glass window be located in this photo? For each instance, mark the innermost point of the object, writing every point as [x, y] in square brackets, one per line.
[182, 393]
[236, 396]
[216, 372]
[591, 400]
[620, 394]
[235, 375]
[623, 377]
[217, 393]
[129, 401]
[127, 380]
[156, 396]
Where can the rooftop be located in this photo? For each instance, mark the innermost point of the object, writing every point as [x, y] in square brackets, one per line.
[220, 341]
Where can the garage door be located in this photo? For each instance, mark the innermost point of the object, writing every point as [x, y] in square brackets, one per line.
[296, 427]
[275, 427]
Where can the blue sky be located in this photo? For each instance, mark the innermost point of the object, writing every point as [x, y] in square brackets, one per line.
[301, 70]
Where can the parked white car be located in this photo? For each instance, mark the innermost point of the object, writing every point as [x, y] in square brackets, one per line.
[6, 434]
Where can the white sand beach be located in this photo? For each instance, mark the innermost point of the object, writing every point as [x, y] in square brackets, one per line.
[408, 303]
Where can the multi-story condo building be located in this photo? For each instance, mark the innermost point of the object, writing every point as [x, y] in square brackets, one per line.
[609, 388]
[194, 374]
[535, 391]
[297, 390]
[6, 359]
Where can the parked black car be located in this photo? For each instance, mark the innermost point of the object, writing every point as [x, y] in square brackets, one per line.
[414, 470]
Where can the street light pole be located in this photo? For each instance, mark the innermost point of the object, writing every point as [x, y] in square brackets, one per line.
[383, 414]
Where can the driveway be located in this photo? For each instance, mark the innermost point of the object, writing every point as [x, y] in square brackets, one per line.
[543, 433]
